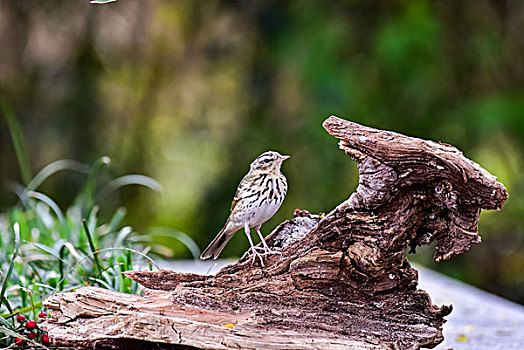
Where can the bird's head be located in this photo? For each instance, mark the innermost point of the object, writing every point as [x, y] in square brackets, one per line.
[268, 161]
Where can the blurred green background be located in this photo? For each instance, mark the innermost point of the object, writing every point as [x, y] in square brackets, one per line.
[190, 92]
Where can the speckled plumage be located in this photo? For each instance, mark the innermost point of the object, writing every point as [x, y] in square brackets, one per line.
[258, 197]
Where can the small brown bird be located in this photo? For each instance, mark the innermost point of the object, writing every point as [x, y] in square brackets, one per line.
[258, 197]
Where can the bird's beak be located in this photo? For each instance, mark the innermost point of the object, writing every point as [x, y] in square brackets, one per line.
[283, 158]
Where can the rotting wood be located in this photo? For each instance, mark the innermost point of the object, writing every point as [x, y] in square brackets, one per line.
[341, 281]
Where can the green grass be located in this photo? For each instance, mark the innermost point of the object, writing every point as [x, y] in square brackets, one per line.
[45, 250]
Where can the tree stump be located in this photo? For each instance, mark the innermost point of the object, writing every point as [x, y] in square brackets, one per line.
[341, 281]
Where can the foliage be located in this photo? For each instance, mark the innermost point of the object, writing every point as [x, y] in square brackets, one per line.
[44, 250]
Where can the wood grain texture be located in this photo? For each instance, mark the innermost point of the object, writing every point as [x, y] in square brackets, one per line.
[341, 280]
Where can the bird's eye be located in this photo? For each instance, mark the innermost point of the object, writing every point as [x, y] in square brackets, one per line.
[267, 160]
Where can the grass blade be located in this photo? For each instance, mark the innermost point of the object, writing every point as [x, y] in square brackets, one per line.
[17, 188]
[89, 189]
[30, 342]
[92, 246]
[61, 255]
[49, 202]
[18, 140]
[5, 322]
[117, 218]
[11, 332]
[170, 233]
[30, 293]
[37, 306]
[151, 262]
[128, 180]
[7, 305]
[54, 167]
[100, 282]
[44, 248]
[122, 235]
[16, 228]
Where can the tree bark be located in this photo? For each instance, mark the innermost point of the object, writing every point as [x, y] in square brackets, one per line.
[341, 281]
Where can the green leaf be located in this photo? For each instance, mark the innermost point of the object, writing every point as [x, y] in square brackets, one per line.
[122, 235]
[32, 301]
[94, 251]
[50, 250]
[18, 140]
[50, 203]
[167, 232]
[12, 333]
[5, 322]
[16, 229]
[117, 218]
[89, 189]
[54, 167]
[128, 180]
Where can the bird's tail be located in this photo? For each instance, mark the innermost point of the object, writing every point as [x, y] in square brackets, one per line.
[214, 248]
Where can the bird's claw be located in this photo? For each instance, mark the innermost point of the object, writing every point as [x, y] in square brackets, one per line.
[260, 252]
[254, 253]
[268, 251]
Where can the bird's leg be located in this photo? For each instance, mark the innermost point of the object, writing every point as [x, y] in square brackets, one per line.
[253, 249]
[266, 247]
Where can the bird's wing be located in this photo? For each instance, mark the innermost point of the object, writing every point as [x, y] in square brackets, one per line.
[241, 189]
[235, 201]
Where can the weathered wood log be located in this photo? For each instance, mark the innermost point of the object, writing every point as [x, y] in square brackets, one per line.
[341, 281]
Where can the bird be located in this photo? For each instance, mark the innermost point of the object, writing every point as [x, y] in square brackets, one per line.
[258, 197]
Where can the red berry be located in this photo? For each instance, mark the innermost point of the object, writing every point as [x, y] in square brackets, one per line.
[20, 318]
[42, 314]
[45, 338]
[19, 341]
[32, 335]
[30, 324]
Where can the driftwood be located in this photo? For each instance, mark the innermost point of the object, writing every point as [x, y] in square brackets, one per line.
[342, 280]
